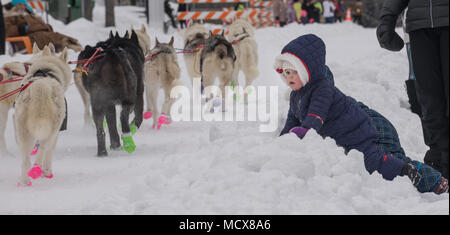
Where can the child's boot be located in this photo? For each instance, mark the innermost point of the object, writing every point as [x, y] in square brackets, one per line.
[425, 178]
[441, 186]
[413, 174]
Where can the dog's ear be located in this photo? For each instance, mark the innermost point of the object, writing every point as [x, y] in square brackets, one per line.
[157, 42]
[143, 29]
[46, 51]
[171, 41]
[36, 49]
[52, 48]
[63, 55]
[111, 34]
[134, 37]
[117, 35]
[127, 34]
[223, 33]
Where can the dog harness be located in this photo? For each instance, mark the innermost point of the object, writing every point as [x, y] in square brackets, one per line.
[12, 74]
[45, 73]
[86, 62]
[240, 38]
[153, 55]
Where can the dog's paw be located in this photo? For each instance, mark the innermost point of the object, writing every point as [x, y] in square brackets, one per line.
[35, 172]
[24, 182]
[128, 144]
[6, 154]
[35, 150]
[27, 184]
[147, 115]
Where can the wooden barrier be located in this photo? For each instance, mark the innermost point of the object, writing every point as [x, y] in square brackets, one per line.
[258, 12]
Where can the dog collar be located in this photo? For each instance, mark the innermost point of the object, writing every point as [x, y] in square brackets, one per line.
[45, 73]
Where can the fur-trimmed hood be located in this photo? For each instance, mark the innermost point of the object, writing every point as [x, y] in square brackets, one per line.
[307, 54]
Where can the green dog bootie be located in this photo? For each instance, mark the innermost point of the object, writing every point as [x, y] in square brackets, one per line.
[133, 128]
[128, 143]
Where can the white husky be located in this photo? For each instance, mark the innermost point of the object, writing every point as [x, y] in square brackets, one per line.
[194, 38]
[241, 34]
[144, 39]
[10, 75]
[162, 71]
[13, 71]
[40, 110]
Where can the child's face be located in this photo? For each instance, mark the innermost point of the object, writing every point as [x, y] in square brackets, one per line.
[292, 79]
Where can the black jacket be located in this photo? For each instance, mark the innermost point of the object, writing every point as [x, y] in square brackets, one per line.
[421, 14]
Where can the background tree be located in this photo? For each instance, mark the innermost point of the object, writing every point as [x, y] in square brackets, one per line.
[110, 18]
[87, 4]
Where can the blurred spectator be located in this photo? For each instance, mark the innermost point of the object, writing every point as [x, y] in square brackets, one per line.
[308, 6]
[298, 9]
[291, 14]
[314, 10]
[318, 10]
[279, 12]
[339, 13]
[357, 11]
[2, 31]
[21, 21]
[239, 7]
[328, 11]
[182, 8]
[169, 12]
[304, 17]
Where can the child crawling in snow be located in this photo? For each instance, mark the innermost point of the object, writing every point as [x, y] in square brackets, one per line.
[316, 103]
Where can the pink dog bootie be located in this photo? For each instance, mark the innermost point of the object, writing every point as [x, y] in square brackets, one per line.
[147, 115]
[35, 149]
[162, 120]
[35, 172]
[28, 185]
[167, 120]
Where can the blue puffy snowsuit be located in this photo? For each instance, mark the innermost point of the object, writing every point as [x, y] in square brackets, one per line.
[321, 106]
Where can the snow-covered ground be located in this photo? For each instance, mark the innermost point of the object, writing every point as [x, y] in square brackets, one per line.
[230, 167]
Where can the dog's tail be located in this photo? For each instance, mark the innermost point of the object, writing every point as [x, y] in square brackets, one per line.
[172, 67]
[45, 108]
[126, 70]
[222, 54]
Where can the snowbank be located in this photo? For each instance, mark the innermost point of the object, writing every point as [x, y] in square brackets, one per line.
[230, 167]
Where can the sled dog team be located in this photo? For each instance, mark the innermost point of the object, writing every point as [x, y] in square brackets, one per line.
[113, 72]
[119, 70]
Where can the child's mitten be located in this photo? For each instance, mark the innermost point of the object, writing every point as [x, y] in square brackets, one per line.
[299, 131]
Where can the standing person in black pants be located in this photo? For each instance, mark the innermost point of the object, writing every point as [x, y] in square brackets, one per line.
[427, 24]
[168, 10]
[182, 8]
[2, 30]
